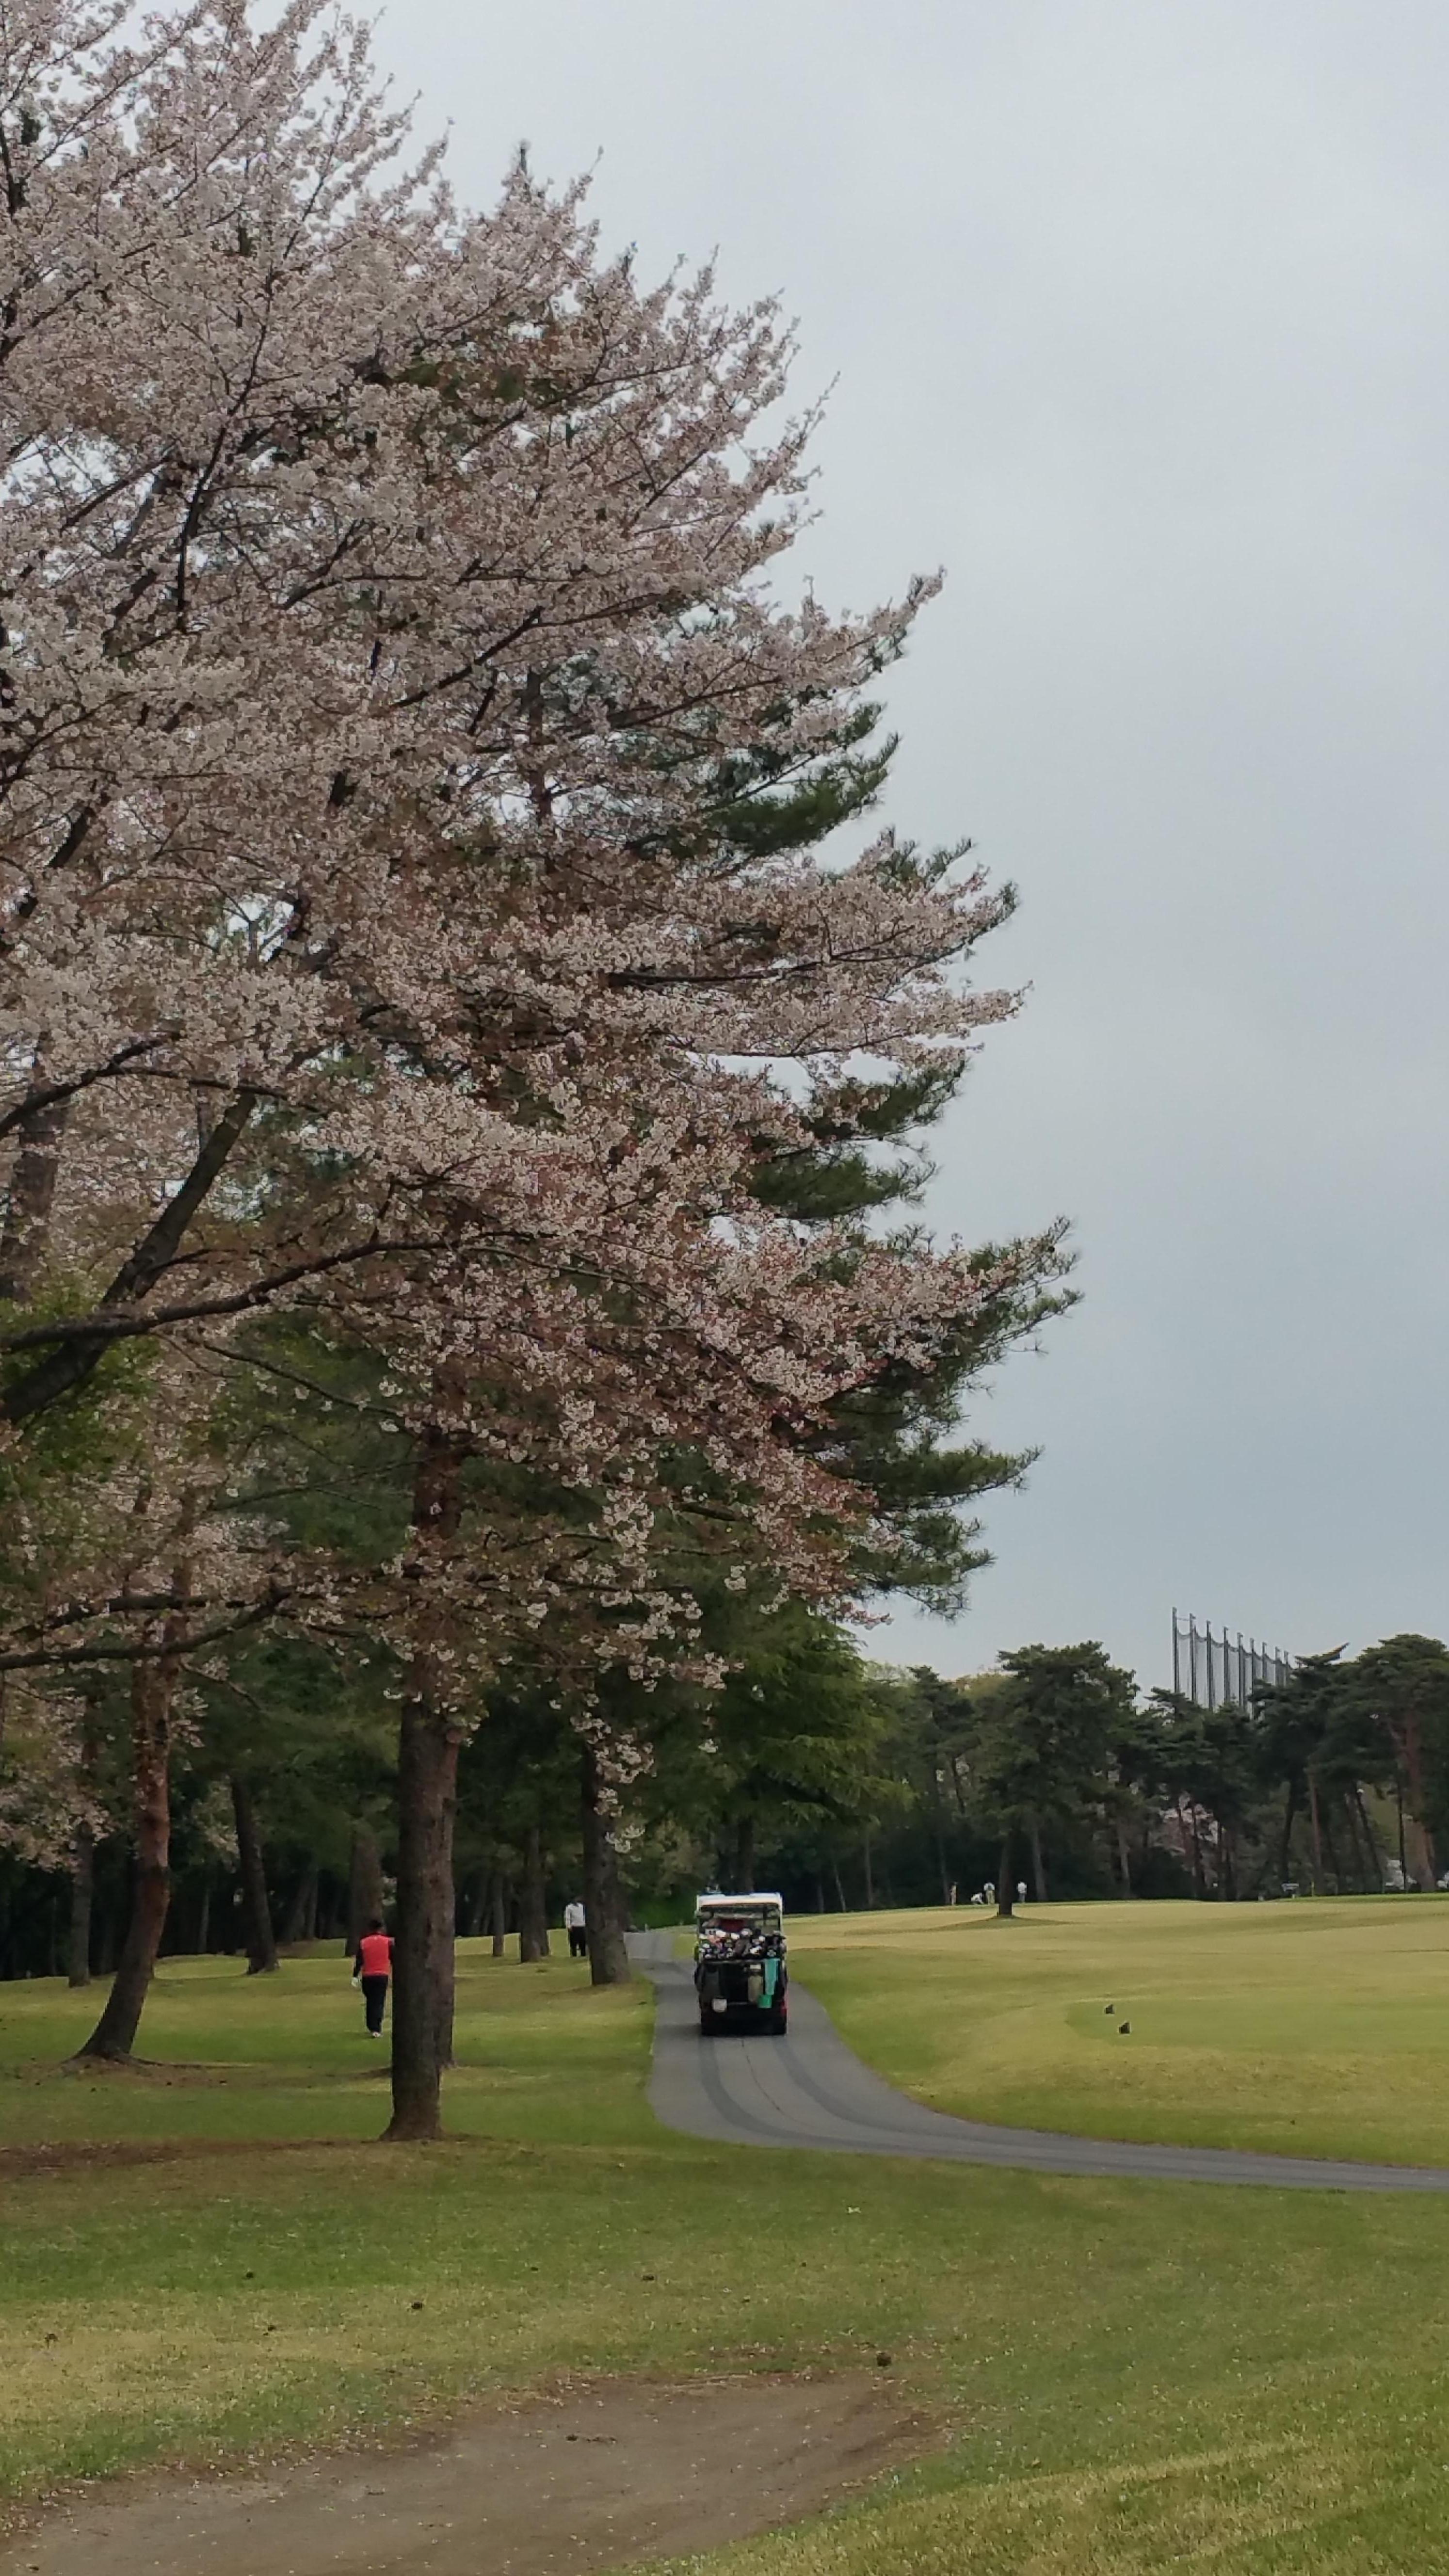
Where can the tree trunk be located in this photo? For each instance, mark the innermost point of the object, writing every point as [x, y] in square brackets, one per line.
[819, 1893]
[839, 1886]
[422, 2035]
[603, 1897]
[1038, 1874]
[153, 1686]
[1315, 1820]
[1409, 1745]
[82, 1897]
[941, 1863]
[497, 1912]
[203, 1918]
[1422, 1860]
[427, 1797]
[745, 1856]
[1371, 1839]
[1124, 1856]
[1365, 1870]
[257, 1931]
[1329, 1845]
[1290, 1810]
[364, 1886]
[865, 1855]
[1422, 1857]
[82, 1865]
[1005, 1883]
[1227, 1863]
[301, 1917]
[31, 1194]
[1187, 1818]
[533, 1901]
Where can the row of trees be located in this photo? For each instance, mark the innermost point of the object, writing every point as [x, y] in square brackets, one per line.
[1056, 1767]
[851, 1784]
[467, 1052]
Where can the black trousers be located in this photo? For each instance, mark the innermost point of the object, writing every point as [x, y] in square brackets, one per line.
[374, 1995]
[578, 1941]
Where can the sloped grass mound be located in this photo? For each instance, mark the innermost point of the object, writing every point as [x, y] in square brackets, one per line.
[1298, 2028]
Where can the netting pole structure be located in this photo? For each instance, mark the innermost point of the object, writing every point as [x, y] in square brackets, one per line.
[1210, 1671]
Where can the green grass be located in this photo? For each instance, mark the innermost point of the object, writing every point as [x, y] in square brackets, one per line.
[1132, 2377]
[1307, 2028]
[236, 2057]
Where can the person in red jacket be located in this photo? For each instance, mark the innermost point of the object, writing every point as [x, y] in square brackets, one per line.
[371, 1971]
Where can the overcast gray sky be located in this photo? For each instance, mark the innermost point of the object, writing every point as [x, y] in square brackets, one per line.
[1136, 318]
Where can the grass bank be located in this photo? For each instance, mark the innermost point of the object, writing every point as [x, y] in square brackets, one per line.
[1132, 2377]
[1309, 2028]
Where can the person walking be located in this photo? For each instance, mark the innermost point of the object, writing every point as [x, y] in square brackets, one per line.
[372, 1971]
[576, 1926]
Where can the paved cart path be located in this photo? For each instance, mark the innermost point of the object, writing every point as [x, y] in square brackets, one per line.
[810, 2090]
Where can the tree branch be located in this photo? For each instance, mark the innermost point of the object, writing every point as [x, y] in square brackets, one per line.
[57, 1658]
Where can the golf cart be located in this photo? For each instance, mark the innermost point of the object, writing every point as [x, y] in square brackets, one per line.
[739, 1964]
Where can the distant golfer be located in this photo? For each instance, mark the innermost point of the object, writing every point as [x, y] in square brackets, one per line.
[373, 1968]
[576, 1926]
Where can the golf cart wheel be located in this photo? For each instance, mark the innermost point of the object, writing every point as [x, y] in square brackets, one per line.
[779, 2022]
[707, 2025]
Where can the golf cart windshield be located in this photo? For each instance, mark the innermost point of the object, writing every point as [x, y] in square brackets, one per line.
[739, 1913]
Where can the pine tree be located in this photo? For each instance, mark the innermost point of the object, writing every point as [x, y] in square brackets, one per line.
[867, 1166]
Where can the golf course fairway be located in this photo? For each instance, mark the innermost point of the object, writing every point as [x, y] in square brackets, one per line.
[1304, 2028]
[205, 2261]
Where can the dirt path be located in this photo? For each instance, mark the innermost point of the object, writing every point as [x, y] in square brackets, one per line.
[596, 2479]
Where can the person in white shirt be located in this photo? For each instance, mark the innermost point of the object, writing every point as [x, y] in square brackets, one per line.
[574, 1925]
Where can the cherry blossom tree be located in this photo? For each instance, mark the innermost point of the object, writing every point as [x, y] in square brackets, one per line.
[378, 585]
[386, 592]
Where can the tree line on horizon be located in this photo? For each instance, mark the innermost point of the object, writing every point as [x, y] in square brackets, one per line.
[849, 1784]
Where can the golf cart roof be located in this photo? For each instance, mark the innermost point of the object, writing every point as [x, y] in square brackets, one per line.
[761, 1900]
